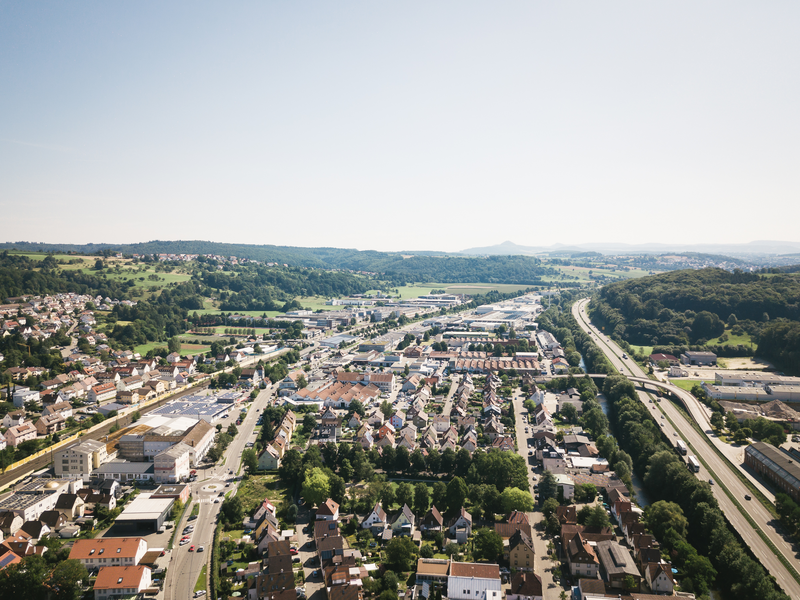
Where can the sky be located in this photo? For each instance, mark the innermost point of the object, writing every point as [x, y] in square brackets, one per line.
[400, 125]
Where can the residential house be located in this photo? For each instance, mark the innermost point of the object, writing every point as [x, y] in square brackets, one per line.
[432, 522]
[616, 564]
[119, 582]
[403, 522]
[376, 520]
[460, 527]
[10, 523]
[328, 511]
[525, 586]
[20, 433]
[659, 578]
[70, 505]
[521, 554]
[50, 424]
[581, 556]
[269, 459]
[14, 418]
[105, 552]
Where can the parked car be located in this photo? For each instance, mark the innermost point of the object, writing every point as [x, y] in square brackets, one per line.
[199, 593]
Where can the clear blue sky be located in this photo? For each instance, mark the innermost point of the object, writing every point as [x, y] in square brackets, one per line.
[403, 125]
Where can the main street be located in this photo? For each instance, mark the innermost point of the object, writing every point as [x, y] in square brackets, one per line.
[550, 587]
[720, 470]
[185, 567]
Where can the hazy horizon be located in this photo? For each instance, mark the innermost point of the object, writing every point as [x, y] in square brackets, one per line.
[400, 127]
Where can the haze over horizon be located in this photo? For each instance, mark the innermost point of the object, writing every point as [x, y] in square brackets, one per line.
[400, 127]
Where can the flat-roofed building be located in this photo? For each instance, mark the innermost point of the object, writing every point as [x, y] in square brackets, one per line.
[432, 570]
[473, 581]
[80, 459]
[691, 357]
[777, 466]
[172, 465]
[30, 500]
[146, 512]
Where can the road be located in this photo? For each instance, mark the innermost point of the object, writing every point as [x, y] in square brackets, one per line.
[721, 471]
[550, 588]
[185, 567]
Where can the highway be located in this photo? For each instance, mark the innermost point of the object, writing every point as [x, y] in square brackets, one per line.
[736, 507]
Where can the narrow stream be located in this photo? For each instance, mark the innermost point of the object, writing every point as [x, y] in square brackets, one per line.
[638, 486]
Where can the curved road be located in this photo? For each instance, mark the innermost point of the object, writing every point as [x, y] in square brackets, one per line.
[720, 470]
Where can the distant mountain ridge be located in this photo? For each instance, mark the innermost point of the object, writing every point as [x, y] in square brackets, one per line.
[758, 247]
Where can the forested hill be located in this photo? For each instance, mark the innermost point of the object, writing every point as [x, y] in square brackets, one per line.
[396, 267]
[691, 307]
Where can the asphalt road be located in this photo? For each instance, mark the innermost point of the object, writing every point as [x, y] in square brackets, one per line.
[720, 470]
[185, 567]
[543, 566]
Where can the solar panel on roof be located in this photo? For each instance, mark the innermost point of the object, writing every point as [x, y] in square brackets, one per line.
[5, 560]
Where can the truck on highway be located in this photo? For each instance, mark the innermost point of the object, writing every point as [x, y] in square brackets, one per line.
[693, 465]
[680, 446]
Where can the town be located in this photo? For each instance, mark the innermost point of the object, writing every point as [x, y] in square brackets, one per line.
[458, 454]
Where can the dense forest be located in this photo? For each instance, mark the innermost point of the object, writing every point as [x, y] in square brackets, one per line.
[686, 308]
[397, 268]
[263, 288]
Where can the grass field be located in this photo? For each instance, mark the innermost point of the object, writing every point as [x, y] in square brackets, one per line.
[688, 384]
[186, 349]
[733, 340]
[201, 580]
[646, 350]
[256, 488]
[140, 279]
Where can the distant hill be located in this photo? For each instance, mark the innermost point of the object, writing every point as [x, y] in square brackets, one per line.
[751, 248]
[397, 267]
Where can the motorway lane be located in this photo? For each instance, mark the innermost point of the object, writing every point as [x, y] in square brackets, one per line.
[722, 472]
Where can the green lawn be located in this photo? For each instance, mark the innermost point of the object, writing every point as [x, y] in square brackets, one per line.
[733, 340]
[646, 350]
[688, 384]
[201, 580]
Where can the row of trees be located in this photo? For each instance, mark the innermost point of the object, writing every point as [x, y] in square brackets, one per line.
[689, 522]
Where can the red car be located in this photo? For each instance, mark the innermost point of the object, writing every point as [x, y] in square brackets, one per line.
[292, 551]
[191, 548]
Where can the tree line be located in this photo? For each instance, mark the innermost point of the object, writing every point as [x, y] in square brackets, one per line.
[691, 525]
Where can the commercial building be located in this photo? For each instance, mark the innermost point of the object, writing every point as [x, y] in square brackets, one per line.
[473, 581]
[146, 513]
[776, 466]
[37, 496]
[172, 465]
[123, 470]
[699, 359]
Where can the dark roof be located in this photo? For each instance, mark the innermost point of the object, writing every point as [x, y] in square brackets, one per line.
[526, 584]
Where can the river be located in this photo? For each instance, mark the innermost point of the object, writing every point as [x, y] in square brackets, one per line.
[638, 486]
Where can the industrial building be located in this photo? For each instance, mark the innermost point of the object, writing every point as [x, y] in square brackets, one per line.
[775, 465]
